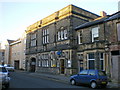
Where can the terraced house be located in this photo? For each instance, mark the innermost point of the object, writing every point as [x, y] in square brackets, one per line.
[98, 45]
[51, 42]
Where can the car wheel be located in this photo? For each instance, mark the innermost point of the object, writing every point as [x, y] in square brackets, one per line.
[93, 85]
[73, 82]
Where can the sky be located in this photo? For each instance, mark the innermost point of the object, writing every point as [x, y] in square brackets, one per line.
[17, 15]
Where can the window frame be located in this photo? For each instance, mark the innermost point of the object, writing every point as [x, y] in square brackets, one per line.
[45, 36]
[62, 35]
[89, 59]
[80, 37]
[103, 61]
[33, 40]
[96, 33]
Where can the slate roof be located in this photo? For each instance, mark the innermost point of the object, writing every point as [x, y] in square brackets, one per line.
[114, 16]
[108, 18]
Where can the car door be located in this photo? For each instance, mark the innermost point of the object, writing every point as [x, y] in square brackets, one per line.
[83, 76]
[91, 76]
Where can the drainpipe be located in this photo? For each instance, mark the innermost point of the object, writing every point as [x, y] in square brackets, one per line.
[107, 53]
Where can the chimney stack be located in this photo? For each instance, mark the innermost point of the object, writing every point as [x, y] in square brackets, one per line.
[103, 14]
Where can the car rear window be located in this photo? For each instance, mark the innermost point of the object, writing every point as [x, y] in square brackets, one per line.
[102, 73]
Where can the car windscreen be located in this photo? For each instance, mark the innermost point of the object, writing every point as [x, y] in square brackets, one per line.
[102, 73]
[3, 69]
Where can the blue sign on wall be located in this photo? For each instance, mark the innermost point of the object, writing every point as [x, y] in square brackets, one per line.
[59, 52]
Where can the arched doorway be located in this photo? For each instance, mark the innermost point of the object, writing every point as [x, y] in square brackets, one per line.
[33, 65]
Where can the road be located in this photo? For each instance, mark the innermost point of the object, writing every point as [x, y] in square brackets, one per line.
[24, 80]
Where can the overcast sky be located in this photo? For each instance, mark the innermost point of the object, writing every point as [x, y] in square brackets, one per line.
[17, 15]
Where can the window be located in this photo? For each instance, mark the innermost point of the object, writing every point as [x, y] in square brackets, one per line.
[33, 43]
[101, 61]
[80, 41]
[45, 36]
[53, 63]
[118, 31]
[62, 35]
[45, 63]
[65, 34]
[39, 63]
[58, 64]
[95, 34]
[91, 72]
[33, 39]
[84, 72]
[91, 61]
[102, 73]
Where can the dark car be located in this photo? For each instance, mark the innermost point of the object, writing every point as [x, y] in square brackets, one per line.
[94, 78]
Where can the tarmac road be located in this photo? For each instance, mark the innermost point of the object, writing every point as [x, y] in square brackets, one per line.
[24, 80]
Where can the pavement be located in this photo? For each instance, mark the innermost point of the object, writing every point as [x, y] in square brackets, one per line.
[63, 78]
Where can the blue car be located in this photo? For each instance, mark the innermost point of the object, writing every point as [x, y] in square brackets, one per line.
[94, 78]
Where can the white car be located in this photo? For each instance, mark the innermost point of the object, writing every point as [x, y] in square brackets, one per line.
[9, 67]
[4, 77]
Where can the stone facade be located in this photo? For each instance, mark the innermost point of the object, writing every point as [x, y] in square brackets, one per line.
[51, 42]
[99, 45]
[7, 51]
[15, 52]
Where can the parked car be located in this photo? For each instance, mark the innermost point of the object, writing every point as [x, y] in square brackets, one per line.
[9, 67]
[94, 78]
[4, 77]
[3, 70]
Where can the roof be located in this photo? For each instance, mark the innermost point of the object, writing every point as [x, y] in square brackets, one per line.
[85, 10]
[10, 41]
[90, 23]
[114, 16]
[104, 19]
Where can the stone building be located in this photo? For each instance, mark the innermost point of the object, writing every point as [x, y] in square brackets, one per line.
[98, 45]
[51, 42]
[7, 51]
[15, 52]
